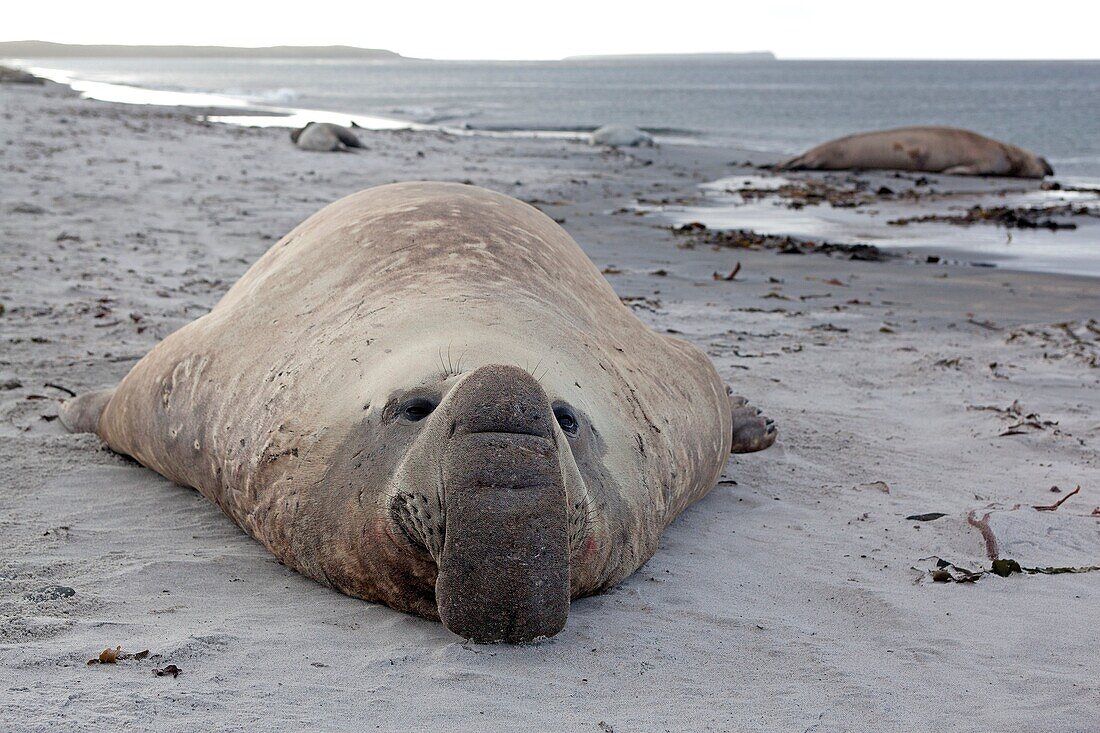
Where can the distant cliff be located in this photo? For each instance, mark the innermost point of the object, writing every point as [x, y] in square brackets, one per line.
[42, 49]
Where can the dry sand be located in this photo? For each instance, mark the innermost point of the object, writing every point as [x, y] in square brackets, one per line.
[795, 597]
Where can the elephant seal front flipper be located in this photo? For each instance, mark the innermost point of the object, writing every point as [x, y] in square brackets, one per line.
[752, 430]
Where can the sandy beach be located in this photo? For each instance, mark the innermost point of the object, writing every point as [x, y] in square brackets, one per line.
[800, 595]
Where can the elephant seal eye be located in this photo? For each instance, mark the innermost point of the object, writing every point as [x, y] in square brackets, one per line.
[566, 419]
[417, 409]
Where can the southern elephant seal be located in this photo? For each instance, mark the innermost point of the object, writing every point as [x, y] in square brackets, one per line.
[9, 75]
[427, 395]
[324, 137]
[932, 149]
[620, 136]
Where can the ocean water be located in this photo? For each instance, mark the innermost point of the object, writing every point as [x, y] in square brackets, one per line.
[1052, 107]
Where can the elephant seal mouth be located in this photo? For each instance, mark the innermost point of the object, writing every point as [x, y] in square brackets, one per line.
[503, 557]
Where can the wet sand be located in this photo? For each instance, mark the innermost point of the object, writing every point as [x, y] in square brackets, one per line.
[796, 596]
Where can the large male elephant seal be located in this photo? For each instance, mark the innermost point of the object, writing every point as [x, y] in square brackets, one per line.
[427, 395]
[932, 149]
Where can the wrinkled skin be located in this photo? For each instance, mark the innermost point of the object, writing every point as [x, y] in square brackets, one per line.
[426, 395]
[931, 149]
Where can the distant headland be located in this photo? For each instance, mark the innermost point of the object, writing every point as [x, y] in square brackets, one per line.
[732, 56]
[46, 49]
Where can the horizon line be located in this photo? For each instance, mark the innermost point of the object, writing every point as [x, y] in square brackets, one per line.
[570, 57]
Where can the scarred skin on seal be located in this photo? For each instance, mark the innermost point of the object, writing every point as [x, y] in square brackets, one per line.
[932, 149]
[426, 395]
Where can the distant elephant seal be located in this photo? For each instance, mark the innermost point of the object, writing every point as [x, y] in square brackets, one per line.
[621, 136]
[932, 149]
[324, 137]
[427, 395]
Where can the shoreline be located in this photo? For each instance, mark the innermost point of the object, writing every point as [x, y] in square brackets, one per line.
[240, 110]
[800, 593]
[982, 246]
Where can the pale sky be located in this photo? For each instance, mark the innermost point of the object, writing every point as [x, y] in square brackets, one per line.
[526, 29]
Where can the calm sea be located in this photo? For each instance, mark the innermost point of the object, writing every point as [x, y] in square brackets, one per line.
[1052, 108]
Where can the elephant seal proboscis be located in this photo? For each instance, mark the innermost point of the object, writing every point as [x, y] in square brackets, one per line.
[324, 137]
[931, 149]
[427, 395]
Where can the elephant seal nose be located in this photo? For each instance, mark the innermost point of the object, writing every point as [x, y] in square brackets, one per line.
[504, 569]
[502, 399]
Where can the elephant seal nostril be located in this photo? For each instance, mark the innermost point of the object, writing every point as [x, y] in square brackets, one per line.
[501, 399]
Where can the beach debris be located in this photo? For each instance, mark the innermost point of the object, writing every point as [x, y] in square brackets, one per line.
[695, 234]
[1020, 217]
[113, 656]
[992, 549]
[1031, 420]
[640, 302]
[170, 671]
[828, 327]
[732, 274]
[798, 194]
[1014, 410]
[1054, 507]
[1079, 340]
[948, 572]
[620, 136]
[51, 592]
[32, 209]
[988, 325]
[1004, 568]
[876, 485]
[929, 517]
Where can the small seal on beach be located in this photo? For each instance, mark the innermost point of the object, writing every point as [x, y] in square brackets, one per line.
[324, 137]
[932, 149]
[9, 75]
[620, 136]
[427, 395]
